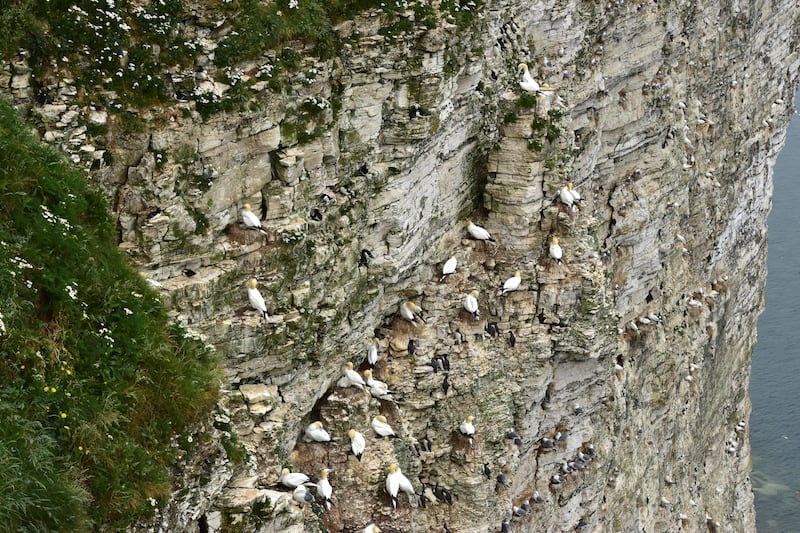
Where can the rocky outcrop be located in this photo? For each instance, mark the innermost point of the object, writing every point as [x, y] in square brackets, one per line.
[624, 368]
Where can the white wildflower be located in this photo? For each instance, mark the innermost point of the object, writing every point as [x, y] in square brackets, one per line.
[2, 326]
[293, 4]
[72, 290]
[127, 311]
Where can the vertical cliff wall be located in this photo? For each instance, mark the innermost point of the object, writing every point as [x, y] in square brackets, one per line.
[632, 353]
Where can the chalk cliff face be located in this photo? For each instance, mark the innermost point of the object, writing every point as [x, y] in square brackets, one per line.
[632, 352]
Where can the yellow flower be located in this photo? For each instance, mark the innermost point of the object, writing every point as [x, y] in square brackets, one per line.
[63, 415]
[22, 367]
[47, 389]
[80, 448]
[69, 372]
[66, 427]
[52, 389]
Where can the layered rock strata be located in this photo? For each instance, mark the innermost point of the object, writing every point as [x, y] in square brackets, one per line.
[623, 368]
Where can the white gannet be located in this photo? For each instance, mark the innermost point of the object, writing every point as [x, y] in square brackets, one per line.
[477, 232]
[555, 250]
[316, 433]
[292, 479]
[301, 495]
[471, 304]
[411, 311]
[357, 443]
[372, 528]
[382, 427]
[467, 429]
[153, 283]
[527, 83]
[512, 283]
[397, 481]
[256, 300]
[377, 388]
[449, 267]
[353, 377]
[324, 489]
[250, 219]
[575, 194]
[372, 352]
[565, 196]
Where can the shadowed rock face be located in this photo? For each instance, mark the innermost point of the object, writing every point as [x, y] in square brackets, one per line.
[630, 366]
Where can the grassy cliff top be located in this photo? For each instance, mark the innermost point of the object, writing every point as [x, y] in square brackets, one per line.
[96, 383]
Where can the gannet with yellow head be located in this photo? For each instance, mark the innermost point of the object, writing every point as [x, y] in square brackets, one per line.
[316, 432]
[512, 283]
[250, 219]
[396, 481]
[467, 429]
[411, 311]
[382, 427]
[357, 443]
[256, 300]
[555, 250]
[449, 267]
[477, 232]
[471, 304]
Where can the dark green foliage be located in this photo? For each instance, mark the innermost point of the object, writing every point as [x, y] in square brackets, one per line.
[94, 382]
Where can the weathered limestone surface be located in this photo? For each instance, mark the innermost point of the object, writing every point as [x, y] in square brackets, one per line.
[634, 350]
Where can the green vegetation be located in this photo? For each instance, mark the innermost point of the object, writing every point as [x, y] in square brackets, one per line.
[95, 386]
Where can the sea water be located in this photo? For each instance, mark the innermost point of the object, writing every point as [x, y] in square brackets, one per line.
[775, 378]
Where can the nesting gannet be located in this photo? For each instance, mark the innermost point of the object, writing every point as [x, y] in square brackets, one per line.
[324, 489]
[512, 283]
[449, 267]
[382, 427]
[353, 377]
[256, 300]
[575, 194]
[372, 528]
[477, 232]
[292, 479]
[301, 495]
[357, 443]
[527, 83]
[250, 219]
[372, 352]
[316, 433]
[566, 196]
[377, 388]
[555, 250]
[467, 429]
[471, 304]
[396, 481]
[411, 311]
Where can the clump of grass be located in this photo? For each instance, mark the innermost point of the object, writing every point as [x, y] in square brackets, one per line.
[95, 382]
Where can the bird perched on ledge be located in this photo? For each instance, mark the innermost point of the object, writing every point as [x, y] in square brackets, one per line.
[354, 378]
[512, 283]
[555, 250]
[448, 268]
[467, 429]
[477, 232]
[256, 300]
[527, 83]
[357, 443]
[471, 304]
[382, 427]
[397, 481]
[316, 433]
[411, 312]
[250, 219]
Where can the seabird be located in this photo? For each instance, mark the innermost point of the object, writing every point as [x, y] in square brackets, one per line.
[315, 432]
[372, 528]
[511, 434]
[395, 482]
[477, 232]
[366, 255]
[411, 348]
[503, 480]
[527, 83]
[537, 498]
[556, 479]
[357, 443]
[446, 384]
[354, 377]
[292, 479]
[512, 339]
[324, 489]
[425, 444]
[547, 443]
[381, 427]
[555, 250]
[449, 267]
[372, 352]
[301, 495]
[566, 196]
[467, 429]
[442, 494]
[512, 283]
[575, 194]
[377, 388]
[471, 304]
[256, 300]
[153, 283]
[250, 219]
[487, 471]
[411, 311]
[188, 272]
[505, 527]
